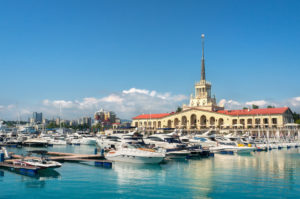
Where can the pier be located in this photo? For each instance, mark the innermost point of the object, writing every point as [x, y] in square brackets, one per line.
[67, 157]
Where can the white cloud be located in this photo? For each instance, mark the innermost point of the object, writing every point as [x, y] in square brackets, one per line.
[295, 101]
[58, 103]
[258, 103]
[126, 104]
[230, 104]
[12, 112]
[136, 91]
[112, 99]
[155, 94]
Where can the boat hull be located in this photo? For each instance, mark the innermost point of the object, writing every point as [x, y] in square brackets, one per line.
[134, 159]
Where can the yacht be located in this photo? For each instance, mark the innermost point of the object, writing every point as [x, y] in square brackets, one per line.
[135, 153]
[109, 141]
[225, 144]
[57, 141]
[77, 139]
[115, 140]
[173, 147]
[36, 142]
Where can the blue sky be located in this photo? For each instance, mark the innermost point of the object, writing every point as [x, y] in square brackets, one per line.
[69, 51]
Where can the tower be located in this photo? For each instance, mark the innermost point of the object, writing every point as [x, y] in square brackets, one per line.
[203, 98]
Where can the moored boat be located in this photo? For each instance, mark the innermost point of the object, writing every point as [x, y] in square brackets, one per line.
[133, 153]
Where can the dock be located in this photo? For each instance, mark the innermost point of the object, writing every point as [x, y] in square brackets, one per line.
[70, 157]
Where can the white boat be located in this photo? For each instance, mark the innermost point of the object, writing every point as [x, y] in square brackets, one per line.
[178, 154]
[77, 139]
[165, 141]
[135, 154]
[170, 143]
[38, 142]
[88, 141]
[57, 141]
[114, 141]
[41, 163]
[110, 141]
[227, 145]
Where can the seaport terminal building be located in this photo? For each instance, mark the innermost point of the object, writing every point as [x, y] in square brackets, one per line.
[202, 112]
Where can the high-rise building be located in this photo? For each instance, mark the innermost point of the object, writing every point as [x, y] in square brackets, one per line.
[112, 117]
[37, 117]
[73, 123]
[105, 116]
[87, 120]
[57, 121]
[45, 121]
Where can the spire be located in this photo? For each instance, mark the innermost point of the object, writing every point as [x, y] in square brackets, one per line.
[202, 61]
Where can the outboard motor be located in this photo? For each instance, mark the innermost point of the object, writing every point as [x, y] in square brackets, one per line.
[6, 155]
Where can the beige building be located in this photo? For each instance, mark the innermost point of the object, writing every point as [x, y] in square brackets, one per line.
[203, 112]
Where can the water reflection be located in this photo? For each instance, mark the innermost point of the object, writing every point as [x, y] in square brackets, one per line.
[42, 175]
[269, 170]
[262, 174]
[133, 173]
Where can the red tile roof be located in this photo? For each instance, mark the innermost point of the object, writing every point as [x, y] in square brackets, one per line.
[262, 111]
[151, 116]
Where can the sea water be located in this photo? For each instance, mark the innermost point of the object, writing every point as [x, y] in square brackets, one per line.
[272, 174]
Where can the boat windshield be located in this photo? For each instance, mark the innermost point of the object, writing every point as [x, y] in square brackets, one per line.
[134, 146]
[228, 143]
[113, 138]
[201, 139]
[172, 140]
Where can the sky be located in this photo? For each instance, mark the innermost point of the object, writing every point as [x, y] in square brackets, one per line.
[136, 57]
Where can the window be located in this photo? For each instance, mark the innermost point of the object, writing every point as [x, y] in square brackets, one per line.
[157, 139]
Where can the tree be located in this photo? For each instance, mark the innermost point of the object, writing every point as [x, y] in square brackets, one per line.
[52, 125]
[245, 108]
[255, 106]
[270, 106]
[179, 109]
[296, 117]
[97, 127]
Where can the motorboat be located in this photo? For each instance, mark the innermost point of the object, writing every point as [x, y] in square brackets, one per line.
[36, 142]
[225, 144]
[114, 141]
[172, 145]
[77, 139]
[109, 141]
[135, 153]
[38, 162]
[166, 141]
[57, 141]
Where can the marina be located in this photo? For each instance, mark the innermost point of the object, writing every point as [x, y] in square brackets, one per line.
[201, 178]
[149, 99]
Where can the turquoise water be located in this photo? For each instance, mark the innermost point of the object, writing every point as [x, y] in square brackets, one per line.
[273, 174]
